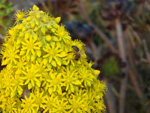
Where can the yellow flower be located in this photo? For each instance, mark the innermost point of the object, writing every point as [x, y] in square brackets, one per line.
[86, 77]
[62, 34]
[31, 76]
[10, 42]
[98, 89]
[7, 81]
[50, 102]
[70, 79]
[54, 54]
[30, 45]
[77, 104]
[21, 63]
[9, 106]
[10, 55]
[42, 69]
[17, 84]
[28, 105]
[39, 97]
[55, 82]
[20, 15]
[99, 106]
[61, 106]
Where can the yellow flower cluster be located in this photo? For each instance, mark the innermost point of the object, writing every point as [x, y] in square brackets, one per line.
[46, 71]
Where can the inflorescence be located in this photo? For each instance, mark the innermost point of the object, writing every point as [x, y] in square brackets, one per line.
[42, 73]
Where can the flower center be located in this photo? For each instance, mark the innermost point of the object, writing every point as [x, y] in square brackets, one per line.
[52, 52]
[75, 105]
[30, 45]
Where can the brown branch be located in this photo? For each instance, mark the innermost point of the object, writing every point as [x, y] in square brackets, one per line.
[147, 5]
[140, 9]
[110, 99]
[131, 38]
[122, 52]
[148, 28]
[99, 32]
[137, 37]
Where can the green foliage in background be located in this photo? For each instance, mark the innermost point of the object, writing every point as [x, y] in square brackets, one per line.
[5, 15]
[6, 8]
[110, 67]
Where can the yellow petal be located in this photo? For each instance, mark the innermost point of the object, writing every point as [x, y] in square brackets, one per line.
[22, 52]
[72, 88]
[53, 63]
[57, 20]
[62, 54]
[35, 8]
[4, 62]
[96, 72]
[38, 52]
[38, 83]
[57, 61]
[20, 91]
[28, 57]
[88, 83]
[19, 71]
[77, 82]
[50, 90]
[13, 92]
[33, 58]
[53, 45]
[45, 61]
[59, 90]
[29, 86]
[50, 59]
[27, 35]
[35, 36]
[55, 38]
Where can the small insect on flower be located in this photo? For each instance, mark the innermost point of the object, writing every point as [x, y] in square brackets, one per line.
[77, 53]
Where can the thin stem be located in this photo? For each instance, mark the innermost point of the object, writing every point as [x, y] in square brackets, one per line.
[122, 52]
[140, 9]
[137, 37]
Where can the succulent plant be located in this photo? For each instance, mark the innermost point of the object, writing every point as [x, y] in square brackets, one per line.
[43, 73]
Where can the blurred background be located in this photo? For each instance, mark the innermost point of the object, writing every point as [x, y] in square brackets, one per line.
[117, 36]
